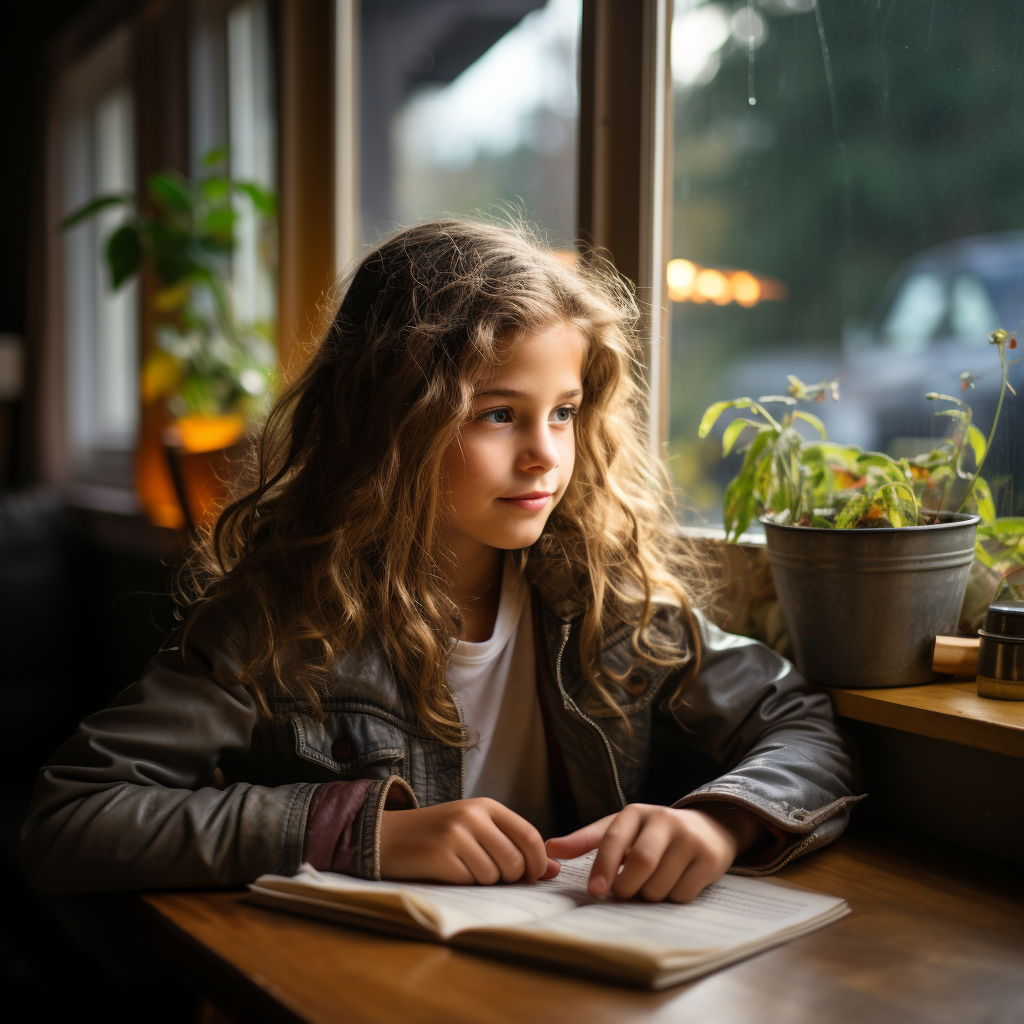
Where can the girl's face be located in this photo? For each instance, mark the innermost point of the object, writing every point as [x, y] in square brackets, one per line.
[513, 458]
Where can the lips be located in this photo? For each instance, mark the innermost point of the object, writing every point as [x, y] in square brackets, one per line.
[532, 502]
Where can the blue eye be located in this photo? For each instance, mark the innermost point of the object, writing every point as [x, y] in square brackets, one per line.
[566, 414]
[496, 416]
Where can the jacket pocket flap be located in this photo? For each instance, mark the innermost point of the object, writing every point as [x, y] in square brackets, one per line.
[347, 742]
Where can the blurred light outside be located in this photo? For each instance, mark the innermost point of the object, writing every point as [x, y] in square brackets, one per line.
[492, 105]
[814, 236]
[689, 282]
[253, 154]
[500, 139]
[117, 364]
[100, 325]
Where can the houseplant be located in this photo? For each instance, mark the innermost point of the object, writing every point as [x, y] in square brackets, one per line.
[869, 557]
[208, 372]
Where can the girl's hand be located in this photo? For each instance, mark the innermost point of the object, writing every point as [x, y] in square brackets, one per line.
[664, 853]
[477, 841]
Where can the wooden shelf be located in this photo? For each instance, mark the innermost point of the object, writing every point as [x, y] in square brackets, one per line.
[950, 711]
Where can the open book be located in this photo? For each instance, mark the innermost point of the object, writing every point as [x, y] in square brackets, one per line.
[555, 922]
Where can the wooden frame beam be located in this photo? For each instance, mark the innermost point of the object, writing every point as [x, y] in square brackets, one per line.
[306, 253]
[624, 196]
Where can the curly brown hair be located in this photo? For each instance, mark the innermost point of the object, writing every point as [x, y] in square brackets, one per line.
[336, 546]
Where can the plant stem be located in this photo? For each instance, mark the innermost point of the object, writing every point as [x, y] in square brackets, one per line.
[992, 432]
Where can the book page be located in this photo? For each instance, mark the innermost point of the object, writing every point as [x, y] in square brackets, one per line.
[444, 910]
[734, 911]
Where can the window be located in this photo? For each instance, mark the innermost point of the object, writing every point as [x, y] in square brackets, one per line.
[253, 154]
[232, 103]
[919, 309]
[101, 326]
[847, 202]
[469, 107]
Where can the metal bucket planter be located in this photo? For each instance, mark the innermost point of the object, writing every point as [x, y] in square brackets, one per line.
[863, 606]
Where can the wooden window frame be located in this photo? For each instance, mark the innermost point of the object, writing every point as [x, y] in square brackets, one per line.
[624, 172]
[625, 167]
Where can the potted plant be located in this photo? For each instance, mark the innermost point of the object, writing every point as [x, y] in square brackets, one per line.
[870, 555]
[208, 373]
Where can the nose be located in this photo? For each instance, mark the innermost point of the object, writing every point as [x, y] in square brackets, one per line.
[539, 453]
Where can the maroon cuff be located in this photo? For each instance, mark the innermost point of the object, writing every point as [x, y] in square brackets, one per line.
[332, 838]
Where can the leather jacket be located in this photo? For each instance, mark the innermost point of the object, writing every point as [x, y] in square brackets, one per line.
[130, 800]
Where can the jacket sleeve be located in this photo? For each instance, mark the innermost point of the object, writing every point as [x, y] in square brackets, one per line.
[128, 803]
[786, 760]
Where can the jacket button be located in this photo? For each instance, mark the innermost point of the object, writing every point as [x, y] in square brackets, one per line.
[341, 750]
[636, 684]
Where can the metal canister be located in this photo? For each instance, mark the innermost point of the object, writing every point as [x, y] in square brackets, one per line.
[1001, 652]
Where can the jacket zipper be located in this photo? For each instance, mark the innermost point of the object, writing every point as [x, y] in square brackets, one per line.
[568, 702]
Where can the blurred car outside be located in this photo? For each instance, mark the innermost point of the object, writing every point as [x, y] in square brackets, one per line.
[930, 327]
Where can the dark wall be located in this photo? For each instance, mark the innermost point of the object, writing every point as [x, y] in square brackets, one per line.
[28, 28]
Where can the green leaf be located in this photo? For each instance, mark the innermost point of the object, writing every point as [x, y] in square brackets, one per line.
[215, 156]
[171, 190]
[711, 414]
[822, 523]
[876, 459]
[983, 498]
[215, 189]
[220, 223]
[981, 555]
[1009, 525]
[732, 432]
[263, 199]
[851, 514]
[124, 254]
[740, 499]
[734, 508]
[808, 417]
[93, 207]
[976, 439]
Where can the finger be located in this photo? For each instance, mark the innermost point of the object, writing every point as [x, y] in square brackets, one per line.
[456, 872]
[510, 861]
[551, 871]
[527, 841]
[700, 873]
[582, 841]
[611, 851]
[480, 864]
[674, 861]
[643, 858]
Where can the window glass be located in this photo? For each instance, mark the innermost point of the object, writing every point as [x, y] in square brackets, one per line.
[469, 106]
[101, 326]
[253, 156]
[847, 203]
[232, 103]
[916, 314]
[971, 313]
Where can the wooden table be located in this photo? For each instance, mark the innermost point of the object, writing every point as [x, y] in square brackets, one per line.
[950, 710]
[936, 936]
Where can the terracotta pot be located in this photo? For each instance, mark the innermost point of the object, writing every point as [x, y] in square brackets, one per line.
[202, 452]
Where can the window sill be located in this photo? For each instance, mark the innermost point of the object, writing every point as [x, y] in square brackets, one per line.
[112, 519]
[950, 711]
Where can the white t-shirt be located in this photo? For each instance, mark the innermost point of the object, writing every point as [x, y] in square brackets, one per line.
[496, 685]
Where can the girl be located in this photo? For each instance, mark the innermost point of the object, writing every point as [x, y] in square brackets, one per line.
[450, 620]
